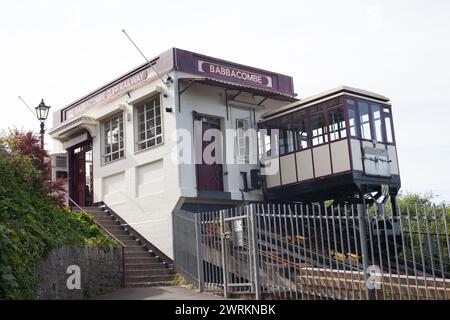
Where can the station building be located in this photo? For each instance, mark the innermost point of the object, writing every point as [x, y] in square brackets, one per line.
[116, 145]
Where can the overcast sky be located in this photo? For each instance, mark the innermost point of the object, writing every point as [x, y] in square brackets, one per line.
[61, 50]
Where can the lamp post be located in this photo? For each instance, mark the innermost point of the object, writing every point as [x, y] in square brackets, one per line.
[42, 114]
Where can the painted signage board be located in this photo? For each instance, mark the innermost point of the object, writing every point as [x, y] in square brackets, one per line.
[106, 94]
[234, 74]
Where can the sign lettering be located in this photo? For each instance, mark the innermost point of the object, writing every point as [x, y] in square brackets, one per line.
[106, 94]
[234, 73]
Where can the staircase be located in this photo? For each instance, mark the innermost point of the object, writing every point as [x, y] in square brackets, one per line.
[142, 267]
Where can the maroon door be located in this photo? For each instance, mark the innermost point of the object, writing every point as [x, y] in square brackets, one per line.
[79, 172]
[209, 176]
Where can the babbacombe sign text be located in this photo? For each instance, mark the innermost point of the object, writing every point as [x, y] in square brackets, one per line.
[234, 73]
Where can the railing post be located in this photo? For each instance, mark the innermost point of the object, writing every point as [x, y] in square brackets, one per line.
[123, 267]
[198, 242]
[255, 251]
[364, 251]
[224, 260]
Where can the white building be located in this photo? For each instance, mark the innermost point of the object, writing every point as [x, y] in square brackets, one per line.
[121, 139]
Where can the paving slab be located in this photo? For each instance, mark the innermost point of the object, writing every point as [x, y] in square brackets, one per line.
[158, 293]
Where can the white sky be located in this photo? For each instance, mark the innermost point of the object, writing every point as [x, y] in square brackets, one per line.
[61, 50]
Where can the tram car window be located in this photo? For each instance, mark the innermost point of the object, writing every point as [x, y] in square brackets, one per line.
[330, 145]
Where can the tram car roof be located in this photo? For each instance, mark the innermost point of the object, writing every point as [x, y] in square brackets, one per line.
[324, 96]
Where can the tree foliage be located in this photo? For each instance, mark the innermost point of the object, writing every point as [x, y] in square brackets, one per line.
[32, 221]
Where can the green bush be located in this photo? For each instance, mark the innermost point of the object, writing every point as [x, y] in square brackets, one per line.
[31, 224]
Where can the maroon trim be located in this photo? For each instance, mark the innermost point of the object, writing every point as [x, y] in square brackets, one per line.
[343, 94]
[313, 165]
[188, 62]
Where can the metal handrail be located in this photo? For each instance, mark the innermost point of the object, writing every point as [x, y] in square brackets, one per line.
[107, 232]
[98, 224]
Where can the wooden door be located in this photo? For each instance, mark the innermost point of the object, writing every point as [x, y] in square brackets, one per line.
[79, 178]
[209, 176]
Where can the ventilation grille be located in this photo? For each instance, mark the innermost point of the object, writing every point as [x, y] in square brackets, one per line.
[61, 161]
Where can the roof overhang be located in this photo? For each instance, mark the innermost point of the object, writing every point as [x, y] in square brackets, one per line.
[342, 90]
[69, 129]
[262, 92]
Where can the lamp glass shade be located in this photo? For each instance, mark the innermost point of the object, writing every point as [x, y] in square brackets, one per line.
[42, 111]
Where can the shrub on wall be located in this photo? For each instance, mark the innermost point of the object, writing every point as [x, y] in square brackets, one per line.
[32, 221]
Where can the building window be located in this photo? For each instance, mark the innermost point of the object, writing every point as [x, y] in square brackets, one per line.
[388, 125]
[149, 124]
[376, 116]
[301, 130]
[336, 125]
[113, 141]
[243, 139]
[286, 141]
[352, 121]
[364, 120]
[318, 129]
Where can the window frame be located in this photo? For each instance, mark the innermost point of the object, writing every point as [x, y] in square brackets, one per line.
[103, 144]
[324, 109]
[345, 120]
[372, 120]
[136, 124]
[245, 158]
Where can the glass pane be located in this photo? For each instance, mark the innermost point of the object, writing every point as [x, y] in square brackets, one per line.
[158, 111]
[141, 127]
[364, 120]
[319, 129]
[299, 119]
[389, 133]
[376, 115]
[159, 140]
[150, 113]
[352, 121]
[336, 124]
[286, 141]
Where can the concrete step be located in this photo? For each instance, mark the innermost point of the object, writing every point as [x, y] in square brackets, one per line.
[127, 239]
[136, 255]
[114, 228]
[144, 266]
[147, 272]
[136, 260]
[120, 234]
[148, 284]
[147, 279]
[136, 249]
[100, 215]
[108, 224]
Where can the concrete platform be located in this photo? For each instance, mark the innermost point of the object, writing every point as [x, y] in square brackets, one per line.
[157, 293]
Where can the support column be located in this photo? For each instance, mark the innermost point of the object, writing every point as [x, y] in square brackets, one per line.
[370, 294]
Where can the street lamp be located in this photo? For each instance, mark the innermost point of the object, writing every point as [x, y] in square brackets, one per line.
[42, 114]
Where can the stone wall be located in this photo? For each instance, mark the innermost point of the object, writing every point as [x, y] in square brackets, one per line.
[73, 272]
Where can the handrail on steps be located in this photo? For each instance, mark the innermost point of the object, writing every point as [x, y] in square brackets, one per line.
[107, 232]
